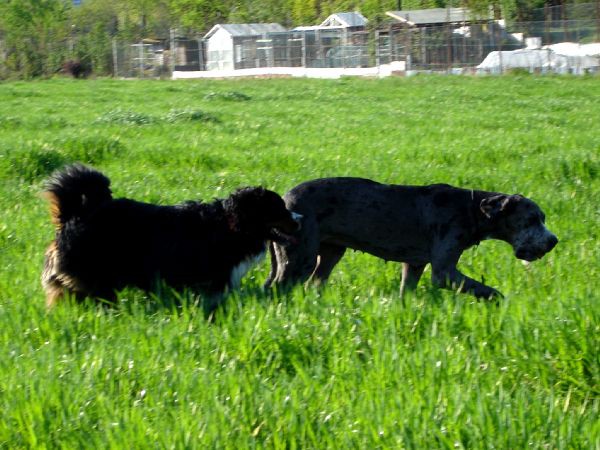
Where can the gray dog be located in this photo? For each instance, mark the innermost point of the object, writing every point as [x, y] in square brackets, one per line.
[415, 225]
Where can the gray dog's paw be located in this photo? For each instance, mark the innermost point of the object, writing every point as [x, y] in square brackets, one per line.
[488, 293]
[496, 297]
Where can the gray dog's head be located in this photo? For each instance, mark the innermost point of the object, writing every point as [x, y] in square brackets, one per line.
[520, 222]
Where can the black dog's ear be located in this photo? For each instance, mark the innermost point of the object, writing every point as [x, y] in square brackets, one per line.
[493, 206]
[244, 205]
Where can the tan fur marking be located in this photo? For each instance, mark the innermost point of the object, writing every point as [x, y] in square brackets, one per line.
[54, 294]
[55, 283]
[51, 285]
[54, 208]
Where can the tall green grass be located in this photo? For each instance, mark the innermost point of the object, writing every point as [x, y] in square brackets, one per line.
[351, 366]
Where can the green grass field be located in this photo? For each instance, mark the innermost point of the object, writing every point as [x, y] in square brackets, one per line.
[351, 366]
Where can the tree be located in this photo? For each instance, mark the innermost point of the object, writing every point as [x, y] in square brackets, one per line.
[304, 12]
[199, 15]
[35, 35]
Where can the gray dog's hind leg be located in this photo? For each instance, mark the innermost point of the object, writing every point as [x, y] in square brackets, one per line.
[411, 274]
[296, 262]
[329, 256]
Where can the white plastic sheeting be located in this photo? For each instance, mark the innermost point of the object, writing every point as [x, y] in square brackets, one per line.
[566, 57]
[574, 49]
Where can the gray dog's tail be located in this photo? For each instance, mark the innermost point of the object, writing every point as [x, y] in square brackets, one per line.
[75, 191]
[273, 272]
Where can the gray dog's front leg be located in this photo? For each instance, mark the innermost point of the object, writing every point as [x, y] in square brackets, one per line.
[446, 275]
[452, 278]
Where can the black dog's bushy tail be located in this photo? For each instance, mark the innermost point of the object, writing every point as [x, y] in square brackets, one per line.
[75, 191]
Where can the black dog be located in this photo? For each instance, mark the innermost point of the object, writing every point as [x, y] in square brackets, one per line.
[104, 244]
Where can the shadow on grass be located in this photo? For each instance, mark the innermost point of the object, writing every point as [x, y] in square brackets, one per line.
[163, 298]
[231, 306]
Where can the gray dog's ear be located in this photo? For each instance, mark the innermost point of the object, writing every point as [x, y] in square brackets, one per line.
[493, 206]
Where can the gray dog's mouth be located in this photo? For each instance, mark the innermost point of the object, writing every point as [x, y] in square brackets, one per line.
[529, 255]
[281, 237]
[526, 257]
[282, 232]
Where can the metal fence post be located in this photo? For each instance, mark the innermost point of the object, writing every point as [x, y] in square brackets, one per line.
[304, 48]
[319, 47]
[173, 50]
[377, 50]
[394, 55]
[597, 20]
[408, 48]
[200, 54]
[423, 48]
[141, 56]
[499, 46]
[115, 58]
[448, 48]
[565, 23]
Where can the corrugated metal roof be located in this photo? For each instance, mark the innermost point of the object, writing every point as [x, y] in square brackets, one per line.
[431, 16]
[246, 29]
[348, 19]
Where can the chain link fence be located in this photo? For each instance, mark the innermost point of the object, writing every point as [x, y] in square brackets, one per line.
[156, 58]
[306, 48]
[450, 47]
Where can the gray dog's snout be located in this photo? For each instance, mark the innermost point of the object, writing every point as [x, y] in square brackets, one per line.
[552, 242]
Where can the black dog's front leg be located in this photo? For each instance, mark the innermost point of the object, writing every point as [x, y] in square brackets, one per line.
[446, 275]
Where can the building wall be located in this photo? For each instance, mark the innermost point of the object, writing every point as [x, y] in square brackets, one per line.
[219, 51]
